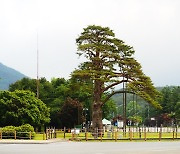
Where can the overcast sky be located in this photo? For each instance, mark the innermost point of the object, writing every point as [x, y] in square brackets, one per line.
[152, 27]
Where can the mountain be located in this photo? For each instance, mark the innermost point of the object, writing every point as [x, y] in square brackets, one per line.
[8, 76]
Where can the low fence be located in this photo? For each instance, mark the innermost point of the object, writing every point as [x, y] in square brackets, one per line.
[16, 135]
[131, 133]
[49, 134]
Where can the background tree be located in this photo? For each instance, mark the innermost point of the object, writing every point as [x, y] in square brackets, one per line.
[24, 84]
[22, 107]
[109, 110]
[55, 92]
[133, 109]
[45, 87]
[109, 63]
[71, 113]
[170, 102]
[177, 112]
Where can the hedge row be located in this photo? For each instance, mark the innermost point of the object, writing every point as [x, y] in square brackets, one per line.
[22, 132]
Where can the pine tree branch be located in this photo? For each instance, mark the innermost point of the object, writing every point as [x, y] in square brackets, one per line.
[114, 84]
[115, 92]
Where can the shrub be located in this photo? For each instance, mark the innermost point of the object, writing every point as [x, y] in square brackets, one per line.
[8, 132]
[24, 131]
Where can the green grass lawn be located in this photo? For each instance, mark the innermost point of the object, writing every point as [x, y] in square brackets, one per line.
[110, 136]
[38, 136]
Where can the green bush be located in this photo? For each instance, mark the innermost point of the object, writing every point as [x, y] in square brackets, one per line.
[8, 131]
[22, 132]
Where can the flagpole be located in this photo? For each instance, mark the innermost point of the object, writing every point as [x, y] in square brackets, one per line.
[37, 80]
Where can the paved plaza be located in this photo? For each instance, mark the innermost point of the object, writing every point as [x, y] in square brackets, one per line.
[93, 148]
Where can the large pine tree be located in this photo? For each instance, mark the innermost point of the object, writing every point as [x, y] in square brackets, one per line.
[109, 63]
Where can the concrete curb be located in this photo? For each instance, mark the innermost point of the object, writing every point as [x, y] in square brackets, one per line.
[6, 141]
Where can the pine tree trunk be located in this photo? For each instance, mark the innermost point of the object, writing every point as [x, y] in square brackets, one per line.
[97, 118]
[97, 110]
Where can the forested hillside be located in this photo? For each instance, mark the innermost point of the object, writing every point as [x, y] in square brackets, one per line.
[118, 98]
[170, 103]
[8, 76]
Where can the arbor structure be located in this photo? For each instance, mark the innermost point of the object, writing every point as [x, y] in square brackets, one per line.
[110, 62]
